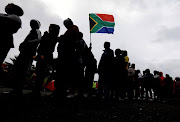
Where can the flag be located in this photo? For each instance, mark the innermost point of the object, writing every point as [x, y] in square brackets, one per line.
[101, 23]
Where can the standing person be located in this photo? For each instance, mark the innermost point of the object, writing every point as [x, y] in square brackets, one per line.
[27, 50]
[131, 80]
[138, 77]
[118, 80]
[156, 85]
[162, 86]
[90, 70]
[126, 65]
[148, 80]
[87, 64]
[168, 86]
[90, 65]
[143, 84]
[140, 81]
[105, 69]
[70, 71]
[44, 56]
[126, 59]
[9, 25]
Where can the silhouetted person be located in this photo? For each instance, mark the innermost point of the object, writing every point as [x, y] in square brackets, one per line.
[88, 62]
[126, 59]
[148, 81]
[44, 56]
[27, 49]
[136, 85]
[131, 80]
[69, 67]
[126, 64]
[9, 25]
[90, 70]
[168, 86]
[175, 85]
[143, 84]
[118, 85]
[162, 86]
[156, 85]
[140, 81]
[105, 70]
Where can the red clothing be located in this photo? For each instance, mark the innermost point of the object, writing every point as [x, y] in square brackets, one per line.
[72, 33]
[162, 81]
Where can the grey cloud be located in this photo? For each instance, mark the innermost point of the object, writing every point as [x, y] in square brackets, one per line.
[34, 9]
[166, 34]
[168, 66]
[39, 10]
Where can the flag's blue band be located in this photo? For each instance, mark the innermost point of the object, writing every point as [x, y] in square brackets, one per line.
[106, 30]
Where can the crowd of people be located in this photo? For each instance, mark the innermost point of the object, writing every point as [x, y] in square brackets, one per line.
[119, 79]
[76, 65]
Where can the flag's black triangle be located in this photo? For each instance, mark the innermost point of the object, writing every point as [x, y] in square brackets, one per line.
[92, 23]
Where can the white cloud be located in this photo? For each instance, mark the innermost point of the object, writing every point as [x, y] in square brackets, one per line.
[61, 8]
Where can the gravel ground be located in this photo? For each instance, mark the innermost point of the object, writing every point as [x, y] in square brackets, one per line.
[47, 108]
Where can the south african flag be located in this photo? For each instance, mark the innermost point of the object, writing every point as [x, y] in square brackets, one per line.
[101, 23]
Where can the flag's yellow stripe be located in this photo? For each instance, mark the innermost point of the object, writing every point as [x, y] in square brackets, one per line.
[95, 22]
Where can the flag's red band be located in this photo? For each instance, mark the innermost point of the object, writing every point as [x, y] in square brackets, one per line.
[106, 17]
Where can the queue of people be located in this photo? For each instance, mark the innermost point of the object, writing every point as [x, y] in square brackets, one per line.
[76, 64]
[119, 79]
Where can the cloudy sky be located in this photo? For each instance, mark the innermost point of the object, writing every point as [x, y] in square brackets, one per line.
[148, 29]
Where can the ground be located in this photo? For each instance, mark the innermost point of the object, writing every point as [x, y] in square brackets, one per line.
[49, 108]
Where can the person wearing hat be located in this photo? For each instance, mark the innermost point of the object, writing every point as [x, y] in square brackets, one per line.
[10, 23]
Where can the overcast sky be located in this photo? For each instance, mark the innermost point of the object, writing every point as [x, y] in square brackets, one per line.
[148, 29]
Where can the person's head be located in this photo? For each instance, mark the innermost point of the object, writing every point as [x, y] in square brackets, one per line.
[167, 76]
[133, 65]
[11, 8]
[144, 72]
[35, 24]
[68, 23]
[138, 71]
[107, 45]
[155, 72]
[54, 29]
[148, 71]
[117, 52]
[177, 79]
[124, 53]
[160, 73]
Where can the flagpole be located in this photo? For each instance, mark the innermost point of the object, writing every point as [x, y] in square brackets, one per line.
[90, 45]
